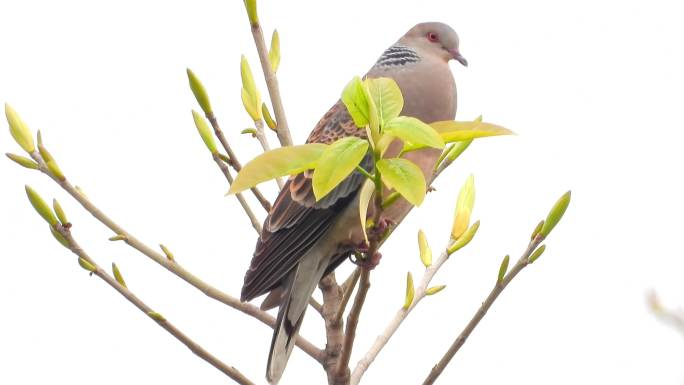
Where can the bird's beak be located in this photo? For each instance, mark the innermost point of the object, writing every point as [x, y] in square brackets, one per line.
[458, 57]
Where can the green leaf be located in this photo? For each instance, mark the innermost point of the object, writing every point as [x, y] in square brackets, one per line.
[355, 99]
[387, 98]
[555, 214]
[405, 177]
[40, 206]
[23, 161]
[464, 208]
[365, 196]
[279, 162]
[199, 91]
[410, 291]
[205, 132]
[425, 251]
[453, 131]
[336, 163]
[413, 132]
[274, 52]
[251, 99]
[503, 269]
[19, 130]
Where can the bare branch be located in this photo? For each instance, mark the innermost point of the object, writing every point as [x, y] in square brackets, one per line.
[482, 311]
[317, 306]
[172, 265]
[342, 370]
[245, 206]
[347, 290]
[194, 347]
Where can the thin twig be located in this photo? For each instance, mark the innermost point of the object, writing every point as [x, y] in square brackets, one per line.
[282, 129]
[669, 316]
[245, 206]
[194, 347]
[334, 331]
[342, 370]
[173, 266]
[234, 162]
[482, 311]
[347, 290]
[317, 306]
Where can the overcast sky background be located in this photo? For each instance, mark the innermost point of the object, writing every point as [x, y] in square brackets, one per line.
[592, 88]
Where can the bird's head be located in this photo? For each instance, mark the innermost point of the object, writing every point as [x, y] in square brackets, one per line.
[436, 38]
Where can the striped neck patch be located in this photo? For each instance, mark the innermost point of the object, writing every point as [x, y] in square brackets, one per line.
[397, 55]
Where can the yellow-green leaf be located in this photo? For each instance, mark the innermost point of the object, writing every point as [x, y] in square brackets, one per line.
[250, 95]
[405, 177]
[537, 229]
[50, 162]
[274, 52]
[205, 132]
[19, 130]
[537, 253]
[118, 276]
[23, 161]
[199, 91]
[424, 247]
[464, 207]
[453, 131]
[251, 7]
[413, 132]
[40, 206]
[434, 290]
[365, 196]
[410, 291]
[275, 163]
[555, 214]
[387, 98]
[355, 99]
[464, 239]
[336, 163]
[457, 149]
[86, 265]
[503, 269]
[60, 212]
[270, 122]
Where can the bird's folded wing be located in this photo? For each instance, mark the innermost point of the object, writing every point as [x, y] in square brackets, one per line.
[296, 221]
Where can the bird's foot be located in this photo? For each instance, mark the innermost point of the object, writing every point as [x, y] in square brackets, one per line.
[360, 258]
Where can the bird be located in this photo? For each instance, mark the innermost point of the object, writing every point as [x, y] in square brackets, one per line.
[303, 239]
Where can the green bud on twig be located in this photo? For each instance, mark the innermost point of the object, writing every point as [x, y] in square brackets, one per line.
[464, 239]
[200, 92]
[156, 316]
[536, 254]
[19, 130]
[503, 269]
[537, 229]
[40, 206]
[23, 161]
[251, 99]
[60, 212]
[204, 131]
[274, 52]
[119, 237]
[393, 197]
[50, 161]
[118, 276]
[251, 131]
[59, 237]
[410, 291]
[169, 254]
[270, 122]
[434, 290]
[251, 7]
[86, 265]
[555, 214]
[425, 251]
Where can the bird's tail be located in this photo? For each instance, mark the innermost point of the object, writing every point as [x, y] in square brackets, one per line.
[300, 285]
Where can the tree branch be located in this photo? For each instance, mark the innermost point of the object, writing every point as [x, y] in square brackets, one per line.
[172, 265]
[194, 347]
[347, 290]
[245, 206]
[482, 311]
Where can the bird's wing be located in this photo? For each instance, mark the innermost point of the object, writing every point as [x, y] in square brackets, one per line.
[296, 221]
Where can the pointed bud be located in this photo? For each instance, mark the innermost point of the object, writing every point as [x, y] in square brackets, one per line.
[393, 197]
[204, 131]
[458, 149]
[50, 162]
[537, 229]
[119, 237]
[555, 214]
[536, 254]
[503, 269]
[464, 239]
[156, 316]
[425, 251]
[86, 265]
[274, 52]
[40, 206]
[59, 237]
[80, 191]
[23, 161]
[19, 130]
[410, 291]
[118, 276]
[270, 122]
[200, 92]
[251, 131]
[434, 290]
[251, 7]
[464, 207]
[169, 254]
[60, 212]
[250, 95]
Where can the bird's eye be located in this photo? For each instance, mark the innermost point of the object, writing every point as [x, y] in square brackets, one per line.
[432, 36]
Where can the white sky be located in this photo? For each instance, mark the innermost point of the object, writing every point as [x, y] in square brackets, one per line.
[593, 89]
